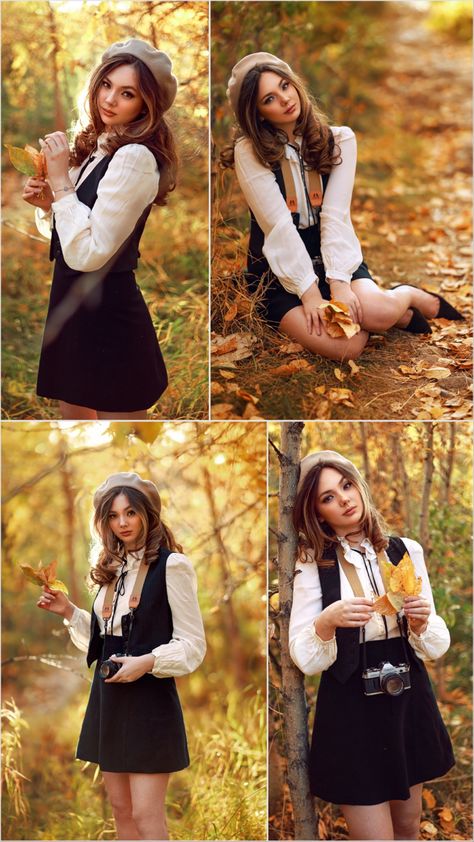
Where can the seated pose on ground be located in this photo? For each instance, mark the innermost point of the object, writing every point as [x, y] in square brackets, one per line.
[297, 175]
[378, 734]
[145, 629]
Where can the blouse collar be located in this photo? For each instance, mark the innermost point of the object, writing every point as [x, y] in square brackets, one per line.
[354, 557]
[133, 559]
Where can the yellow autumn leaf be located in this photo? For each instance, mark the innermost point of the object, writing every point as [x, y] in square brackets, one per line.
[27, 161]
[337, 319]
[401, 581]
[429, 799]
[44, 576]
[275, 601]
[437, 373]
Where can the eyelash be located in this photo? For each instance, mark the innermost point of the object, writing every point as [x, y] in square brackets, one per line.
[328, 499]
[130, 513]
[283, 87]
[128, 94]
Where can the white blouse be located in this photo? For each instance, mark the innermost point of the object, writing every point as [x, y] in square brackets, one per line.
[90, 237]
[311, 654]
[187, 647]
[283, 246]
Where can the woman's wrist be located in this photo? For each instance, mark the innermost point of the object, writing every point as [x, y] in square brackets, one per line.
[61, 187]
[324, 628]
[69, 611]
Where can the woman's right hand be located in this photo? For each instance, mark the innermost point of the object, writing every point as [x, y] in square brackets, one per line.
[33, 189]
[57, 602]
[311, 300]
[344, 613]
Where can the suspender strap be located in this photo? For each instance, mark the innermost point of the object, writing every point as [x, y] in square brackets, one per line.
[315, 189]
[135, 596]
[351, 573]
[289, 182]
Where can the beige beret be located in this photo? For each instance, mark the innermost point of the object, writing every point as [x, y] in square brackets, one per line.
[240, 70]
[129, 480]
[158, 62]
[321, 457]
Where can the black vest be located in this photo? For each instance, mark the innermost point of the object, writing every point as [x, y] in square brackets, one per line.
[347, 639]
[152, 624]
[257, 263]
[128, 253]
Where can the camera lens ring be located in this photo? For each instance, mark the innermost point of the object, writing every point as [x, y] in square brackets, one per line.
[392, 684]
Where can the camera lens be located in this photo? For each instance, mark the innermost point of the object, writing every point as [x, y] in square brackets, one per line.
[391, 684]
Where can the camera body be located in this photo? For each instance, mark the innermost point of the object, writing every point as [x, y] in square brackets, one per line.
[386, 679]
[110, 668]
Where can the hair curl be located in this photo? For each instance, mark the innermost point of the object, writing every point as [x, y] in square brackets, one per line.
[319, 149]
[109, 551]
[149, 128]
[314, 536]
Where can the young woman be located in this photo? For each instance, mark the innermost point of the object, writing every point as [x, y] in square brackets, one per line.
[302, 246]
[100, 356]
[370, 753]
[145, 619]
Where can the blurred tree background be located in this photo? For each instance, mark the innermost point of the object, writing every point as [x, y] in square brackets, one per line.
[400, 75]
[49, 49]
[212, 479]
[420, 479]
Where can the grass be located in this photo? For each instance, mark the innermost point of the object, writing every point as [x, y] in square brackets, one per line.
[221, 796]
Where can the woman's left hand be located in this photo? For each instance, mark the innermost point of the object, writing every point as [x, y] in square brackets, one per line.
[341, 291]
[55, 148]
[133, 667]
[417, 610]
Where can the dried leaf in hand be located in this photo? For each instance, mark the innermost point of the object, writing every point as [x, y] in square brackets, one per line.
[388, 604]
[27, 161]
[403, 580]
[337, 319]
[44, 576]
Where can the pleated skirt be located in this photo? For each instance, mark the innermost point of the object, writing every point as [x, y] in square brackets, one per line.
[370, 749]
[133, 727]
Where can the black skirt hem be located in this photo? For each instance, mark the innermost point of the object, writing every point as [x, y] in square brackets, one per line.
[364, 802]
[88, 404]
[134, 771]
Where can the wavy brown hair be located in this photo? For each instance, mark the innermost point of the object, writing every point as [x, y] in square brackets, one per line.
[319, 149]
[111, 550]
[150, 128]
[314, 536]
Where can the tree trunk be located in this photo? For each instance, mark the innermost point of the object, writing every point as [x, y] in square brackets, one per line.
[427, 482]
[292, 691]
[365, 452]
[447, 470]
[69, 525]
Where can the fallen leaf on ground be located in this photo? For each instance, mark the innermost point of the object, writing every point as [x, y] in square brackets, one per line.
[222, 411]
[429, 830]
[336, 395]
[437, 373]
[216, 388]
[229, 349]
[339, 374]
[291, 348]
[337, 319]
[353, 367]
[290, 368]
[227, 375]
[231, 313]
[429, 798]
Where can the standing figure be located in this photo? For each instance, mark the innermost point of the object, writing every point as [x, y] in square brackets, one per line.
[145, 629]
[100, 356]
[378, 734]
[297, 175]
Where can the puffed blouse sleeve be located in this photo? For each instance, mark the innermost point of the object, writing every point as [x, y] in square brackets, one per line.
[435, 640]
[283, 246]
[310, 653]
[90, 237]
[79, 627]
[187, 647]
[340, 248]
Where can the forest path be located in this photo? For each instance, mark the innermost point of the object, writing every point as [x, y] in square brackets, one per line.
[412, 212]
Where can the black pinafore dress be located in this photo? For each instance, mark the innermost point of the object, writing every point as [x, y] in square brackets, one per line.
[276, 301]
[99, 345]
[371, 749]
[136, 726]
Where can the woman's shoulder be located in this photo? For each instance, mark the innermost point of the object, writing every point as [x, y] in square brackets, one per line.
[244, 151]
[342, 133]
[179, 562]
[412, 546]
[136, 155]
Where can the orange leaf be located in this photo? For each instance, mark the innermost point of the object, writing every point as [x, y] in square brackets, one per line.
[231, 313]
[428, 830]
[429, 799]
[290, 368]
[337, 319]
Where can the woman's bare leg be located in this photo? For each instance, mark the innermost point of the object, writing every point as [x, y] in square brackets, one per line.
[372, 822]
[117, 785]
[406, 815]
[148, 804]
[123, 416]
[293, 324]
[385, 308]
[74, 412]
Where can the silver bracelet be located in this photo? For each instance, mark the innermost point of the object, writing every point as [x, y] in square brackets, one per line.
[60, 189]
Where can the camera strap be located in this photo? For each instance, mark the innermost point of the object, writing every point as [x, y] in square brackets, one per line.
[133, 602]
